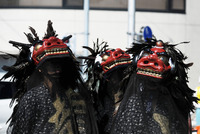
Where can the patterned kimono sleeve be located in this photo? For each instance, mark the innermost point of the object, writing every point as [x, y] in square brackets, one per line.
[24, 118]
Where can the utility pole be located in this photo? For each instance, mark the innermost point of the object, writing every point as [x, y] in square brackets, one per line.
[86, 31]
[86, 23]
[131, 22]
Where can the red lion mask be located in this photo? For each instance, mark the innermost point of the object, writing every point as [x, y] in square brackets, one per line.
[49, 47]
[154, 62]
[113, 58]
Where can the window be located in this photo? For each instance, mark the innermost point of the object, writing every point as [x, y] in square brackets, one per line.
[9, 3]
[151, 4]
[161, 5]
[177, 6]
[30, 3]
[109, 4]
[74, 4]
[40, 3]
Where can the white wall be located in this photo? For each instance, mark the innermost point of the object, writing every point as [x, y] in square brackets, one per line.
[110, 26]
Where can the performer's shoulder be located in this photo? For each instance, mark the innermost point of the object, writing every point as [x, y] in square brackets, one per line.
[39, 90]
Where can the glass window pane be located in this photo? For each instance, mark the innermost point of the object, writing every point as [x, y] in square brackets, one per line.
[73, 3]
[152, 4]
[6, 3]
[178, 4]
[40, 3]
[111, 4]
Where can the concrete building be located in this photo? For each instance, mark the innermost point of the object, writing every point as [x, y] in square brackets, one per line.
[107, 24]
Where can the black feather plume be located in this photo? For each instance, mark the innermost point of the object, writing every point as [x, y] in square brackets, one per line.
[50, 31]
[176, 81]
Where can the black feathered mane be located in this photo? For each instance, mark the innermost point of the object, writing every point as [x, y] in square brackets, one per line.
[177, 79]
[23, 69]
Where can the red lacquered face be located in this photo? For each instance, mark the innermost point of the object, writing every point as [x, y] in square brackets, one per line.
[113, 58]
[154, 62]
[50, 46]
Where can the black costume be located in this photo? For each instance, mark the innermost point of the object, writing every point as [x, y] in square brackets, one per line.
[157, 99]
[106, 78]
[64, 107]
[39, 113]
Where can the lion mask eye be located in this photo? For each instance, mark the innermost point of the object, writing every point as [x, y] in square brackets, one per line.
[37, 47]
[144, 54]
[164, 59]
[105, 57]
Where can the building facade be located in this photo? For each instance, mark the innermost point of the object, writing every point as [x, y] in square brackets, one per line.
[172, 21]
